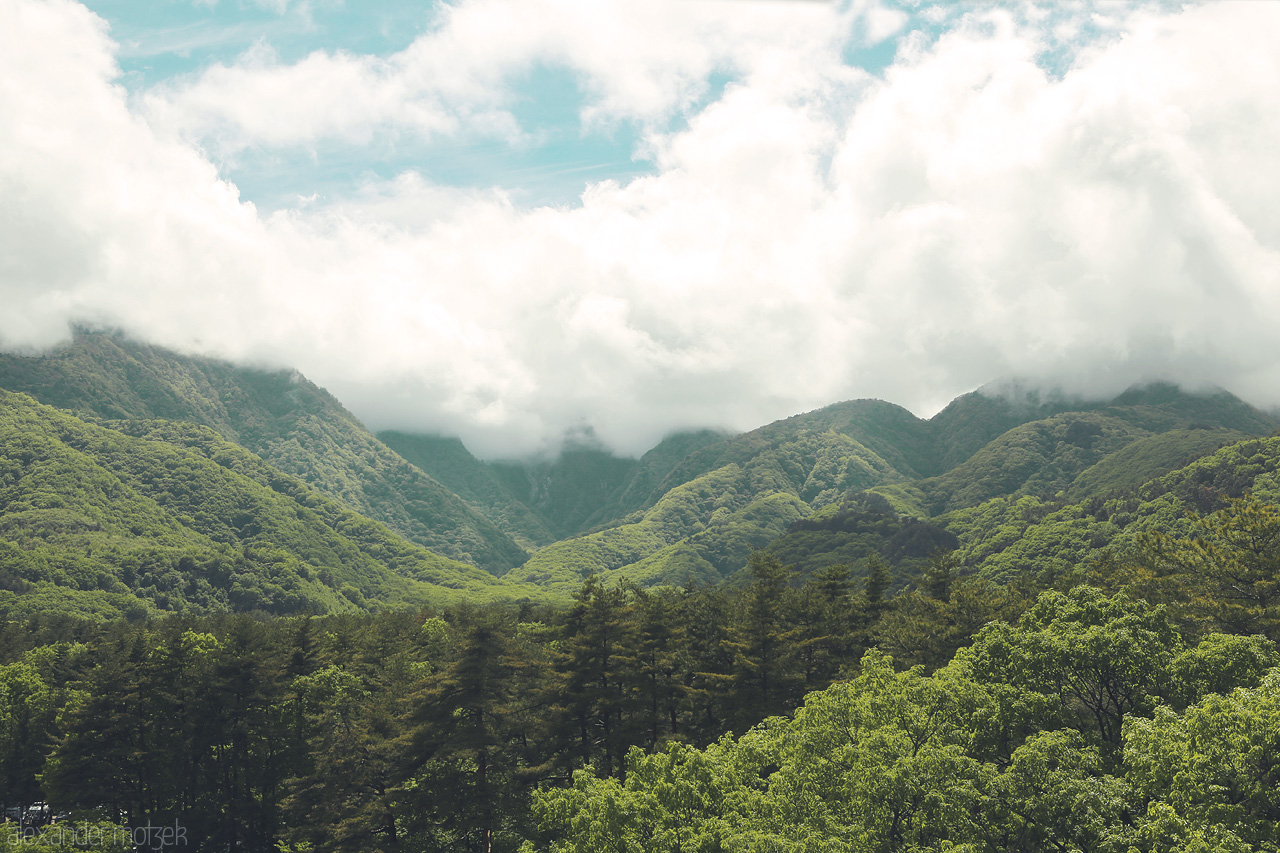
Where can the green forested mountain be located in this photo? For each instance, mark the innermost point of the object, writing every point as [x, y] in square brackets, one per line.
[543, 500]
[732, 496]
[278, 415]
[128, 517]
[569, 491]
[837, 485]
[857, 534]
[1045, 456]
[1013, 536]
[1020, 625]
[729, 497]
[449, 463]
[1148, 458]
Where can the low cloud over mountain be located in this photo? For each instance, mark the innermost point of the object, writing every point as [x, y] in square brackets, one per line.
[1081, 200]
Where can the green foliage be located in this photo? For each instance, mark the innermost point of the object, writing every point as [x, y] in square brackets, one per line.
[919, 628]
[399, 729]
[279, 416]
[1221, 663]
[1106, 658]
[1090, 724]
[1210, 775]
[987, 754]
[449, 463]
[1148, 458]
[27, 708]
[155, 515]
[877, 763]
[1229, 574]
[471, 737]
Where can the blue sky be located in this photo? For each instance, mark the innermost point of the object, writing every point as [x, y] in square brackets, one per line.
[160, 43]
[508, 220]
[166, 42]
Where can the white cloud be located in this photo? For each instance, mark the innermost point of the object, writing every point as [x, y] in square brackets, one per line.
[814, 234]
[641, 61]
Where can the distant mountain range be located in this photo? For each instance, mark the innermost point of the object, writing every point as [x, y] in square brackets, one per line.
[134, 479]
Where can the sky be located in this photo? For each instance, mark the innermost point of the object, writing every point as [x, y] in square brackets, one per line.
[517, 220]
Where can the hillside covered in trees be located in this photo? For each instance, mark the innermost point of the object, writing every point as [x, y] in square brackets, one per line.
[1009, 483]
[126, 518]
[781, 715]
[1025, 624]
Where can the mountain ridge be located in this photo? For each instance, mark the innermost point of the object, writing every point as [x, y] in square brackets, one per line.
[691, 509]
[280, 416]
[738, 494]
[127, 517]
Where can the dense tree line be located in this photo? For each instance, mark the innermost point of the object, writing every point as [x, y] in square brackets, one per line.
[1090, 726]
[1131, 708]
[404, 730]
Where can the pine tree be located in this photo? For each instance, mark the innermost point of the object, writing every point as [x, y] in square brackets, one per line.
[346, 800]
[939, 575]
[596, 641]
[877, 585]
[27, 709]
[827, 621]
[762, 643]
[465, 780]
[102, 758]
[651, 668]
[705, 661]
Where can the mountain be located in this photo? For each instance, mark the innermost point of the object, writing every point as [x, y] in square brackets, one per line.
[540, 501]
[843, 483]
[127, 517]
[742, 493]
[1045, 456]
[1148, 458]
[1008, 537]
[569, 490]
[448, 462]
[278, 415]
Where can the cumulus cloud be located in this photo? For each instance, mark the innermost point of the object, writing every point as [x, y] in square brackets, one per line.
[813, 233]
[635, 61]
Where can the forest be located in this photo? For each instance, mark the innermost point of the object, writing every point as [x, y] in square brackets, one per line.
[1133, 706]
[232, 618]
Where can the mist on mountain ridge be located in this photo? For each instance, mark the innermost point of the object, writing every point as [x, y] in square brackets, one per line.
[814, 232]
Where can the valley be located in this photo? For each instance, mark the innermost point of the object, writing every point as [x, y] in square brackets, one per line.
[141, 481]
[226, 604]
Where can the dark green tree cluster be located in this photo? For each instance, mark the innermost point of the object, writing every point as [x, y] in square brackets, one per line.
[1083, 719]
[405, 730]
[1089, 726]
